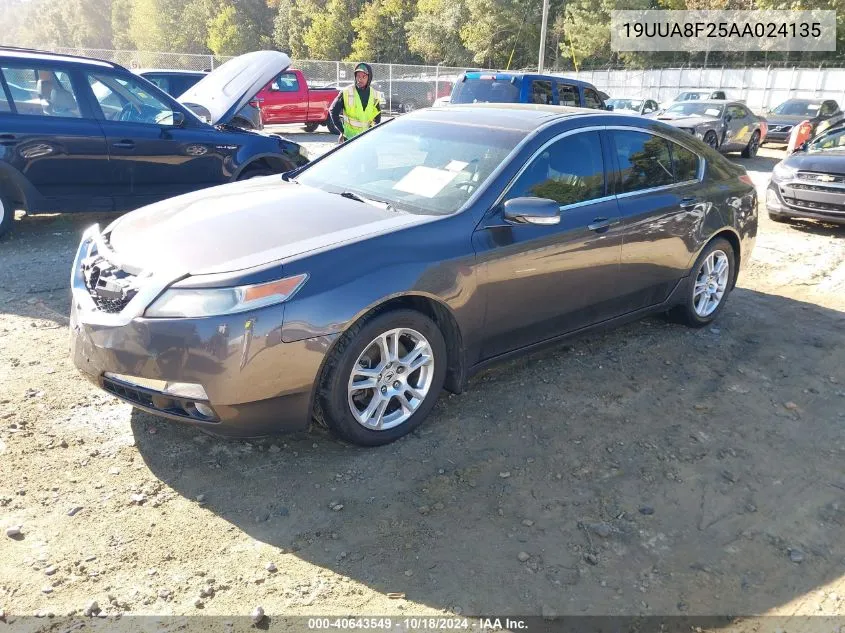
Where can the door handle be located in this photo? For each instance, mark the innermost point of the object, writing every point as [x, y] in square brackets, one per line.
[7, 139]
[600, 225]
[125, 144]
[688, 203]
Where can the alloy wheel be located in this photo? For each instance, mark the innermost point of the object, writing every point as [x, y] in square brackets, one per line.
[711, 282]
[710, 139]
[390, 379]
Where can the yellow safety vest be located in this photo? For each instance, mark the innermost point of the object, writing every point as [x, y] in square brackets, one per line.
[356, 117]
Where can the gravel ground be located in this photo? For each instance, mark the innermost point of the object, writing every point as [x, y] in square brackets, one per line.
[649, 470]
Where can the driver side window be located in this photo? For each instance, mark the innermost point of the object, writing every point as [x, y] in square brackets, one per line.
[124, 99]
[569, 171]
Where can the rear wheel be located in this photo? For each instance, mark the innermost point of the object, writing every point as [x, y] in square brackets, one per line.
[7, 215]
[750, 150]
[311, 127]
[708, 286]
[383, 378]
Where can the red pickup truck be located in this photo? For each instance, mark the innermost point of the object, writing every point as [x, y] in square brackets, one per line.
[288, 99]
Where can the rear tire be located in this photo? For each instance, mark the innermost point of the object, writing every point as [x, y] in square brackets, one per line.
[311, 127]
[7, 215]
[708, 286]
[391, 375]
[750, 150]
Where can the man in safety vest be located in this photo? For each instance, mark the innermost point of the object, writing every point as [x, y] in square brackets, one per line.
[358, 106]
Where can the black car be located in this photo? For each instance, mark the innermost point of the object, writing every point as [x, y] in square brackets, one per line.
[79, 134]
[728, 126]
[354, 289]
[810, 183]
[793, 111]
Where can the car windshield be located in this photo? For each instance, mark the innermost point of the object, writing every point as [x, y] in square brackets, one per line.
[834, 139]
[416, 165]
[798, 108]
[633, 105]
[696, 109]
[485, 90]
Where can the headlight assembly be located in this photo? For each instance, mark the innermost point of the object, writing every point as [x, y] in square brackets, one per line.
[205, 302]
[783, 172]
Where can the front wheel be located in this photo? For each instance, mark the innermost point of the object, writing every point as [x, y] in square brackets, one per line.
[709, 285]
[750, 150]
[711, 140]
[383, 378]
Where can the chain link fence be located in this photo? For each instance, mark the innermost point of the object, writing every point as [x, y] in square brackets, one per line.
[410, 87]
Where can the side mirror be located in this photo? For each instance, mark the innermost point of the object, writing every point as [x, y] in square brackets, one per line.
[540, 211]
[609, 108]
[178, 119]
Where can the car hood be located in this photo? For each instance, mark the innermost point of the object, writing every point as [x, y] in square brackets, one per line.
[228, 88]
[686, 121]
[243, 225]
[830, 161]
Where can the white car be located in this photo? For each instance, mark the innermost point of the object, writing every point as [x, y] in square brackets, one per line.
[695, 95]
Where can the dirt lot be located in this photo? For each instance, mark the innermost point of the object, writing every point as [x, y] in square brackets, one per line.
[649, 470]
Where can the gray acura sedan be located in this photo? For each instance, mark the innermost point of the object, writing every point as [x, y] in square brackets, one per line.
[351, 291]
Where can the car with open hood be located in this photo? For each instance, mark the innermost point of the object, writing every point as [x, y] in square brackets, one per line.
[810, 182]
[728, 126]
[176, 82]
[351, 291]
[81, 134]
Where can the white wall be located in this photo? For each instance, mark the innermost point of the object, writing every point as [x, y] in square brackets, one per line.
[759, 87]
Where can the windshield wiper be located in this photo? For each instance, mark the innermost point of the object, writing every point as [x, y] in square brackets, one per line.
[371, 201]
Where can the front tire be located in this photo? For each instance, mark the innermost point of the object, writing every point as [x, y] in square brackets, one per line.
[7, 215]
[383, 378]
[711, 139]
[709, 284]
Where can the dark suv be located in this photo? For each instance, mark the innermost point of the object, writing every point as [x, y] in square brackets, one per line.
[80, 134]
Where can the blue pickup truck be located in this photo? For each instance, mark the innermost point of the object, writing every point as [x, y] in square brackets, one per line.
[509, 87]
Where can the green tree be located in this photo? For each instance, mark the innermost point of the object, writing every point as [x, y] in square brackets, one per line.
[380, 32]
[281, 25]
[330, 34]
[300, 17]
[502, 33]
[121, 17]
[153, 23]
[231, 33]
[192, 36]
[435, 31]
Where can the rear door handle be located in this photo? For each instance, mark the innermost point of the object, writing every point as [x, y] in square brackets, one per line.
[688, 203]
[600, 225]
[125, 144]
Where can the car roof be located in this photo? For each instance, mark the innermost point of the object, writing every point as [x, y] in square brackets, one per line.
[13, 52]
[510, 74]
[524, 117]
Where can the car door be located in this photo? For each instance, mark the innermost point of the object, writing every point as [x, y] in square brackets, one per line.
[660, 206]
[738, 129]
[285, 100]
[544, 280]
[50, 136]
[153, 156]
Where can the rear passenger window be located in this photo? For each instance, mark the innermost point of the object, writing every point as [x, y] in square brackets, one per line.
[40, 92]
[591, 99]
[568, 95]
[685, 163]
[569, 171]
[644, 160]
[541, 92]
